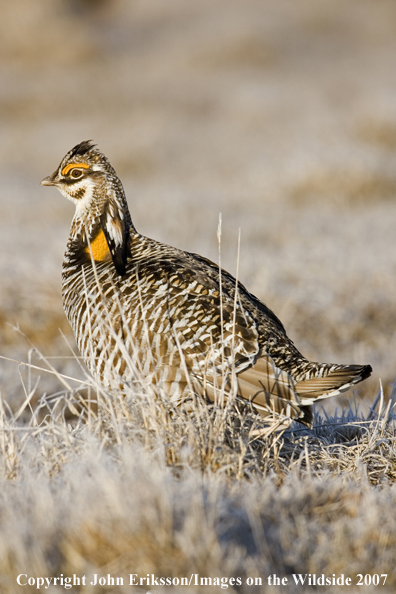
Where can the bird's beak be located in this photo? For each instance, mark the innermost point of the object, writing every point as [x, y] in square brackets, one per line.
[47, 181]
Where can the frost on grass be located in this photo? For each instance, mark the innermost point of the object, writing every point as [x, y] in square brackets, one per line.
[130, 485]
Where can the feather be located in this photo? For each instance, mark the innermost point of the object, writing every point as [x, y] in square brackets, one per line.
[337, 381]
[81, 148]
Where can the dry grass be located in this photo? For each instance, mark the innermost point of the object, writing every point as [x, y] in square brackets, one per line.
[134, 485]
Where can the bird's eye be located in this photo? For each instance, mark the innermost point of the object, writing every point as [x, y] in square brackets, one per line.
[76, 173]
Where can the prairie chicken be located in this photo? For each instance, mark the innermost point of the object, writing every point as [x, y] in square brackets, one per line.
[138, 306]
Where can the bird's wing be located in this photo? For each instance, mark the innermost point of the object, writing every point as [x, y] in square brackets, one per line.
[269, 389]
[196, 334]
[211, 269]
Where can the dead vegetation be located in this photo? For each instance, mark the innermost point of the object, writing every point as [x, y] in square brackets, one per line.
[133, 485]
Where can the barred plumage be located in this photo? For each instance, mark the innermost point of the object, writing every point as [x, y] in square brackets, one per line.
[141, 308]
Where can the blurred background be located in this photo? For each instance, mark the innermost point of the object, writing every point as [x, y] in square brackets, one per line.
[279, 114]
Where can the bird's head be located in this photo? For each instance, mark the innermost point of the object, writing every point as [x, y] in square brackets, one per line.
[86, 177]
[83, 174]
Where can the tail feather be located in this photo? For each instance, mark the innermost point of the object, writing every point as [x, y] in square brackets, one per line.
[339, 379]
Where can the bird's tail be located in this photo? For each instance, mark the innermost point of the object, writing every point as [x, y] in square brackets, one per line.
[330, 380]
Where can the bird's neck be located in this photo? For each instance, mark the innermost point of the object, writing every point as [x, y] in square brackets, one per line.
[101, 231]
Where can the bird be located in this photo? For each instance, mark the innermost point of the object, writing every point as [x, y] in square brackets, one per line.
[141, 308]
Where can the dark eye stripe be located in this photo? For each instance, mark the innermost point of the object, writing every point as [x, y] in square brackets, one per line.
[69, 180]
